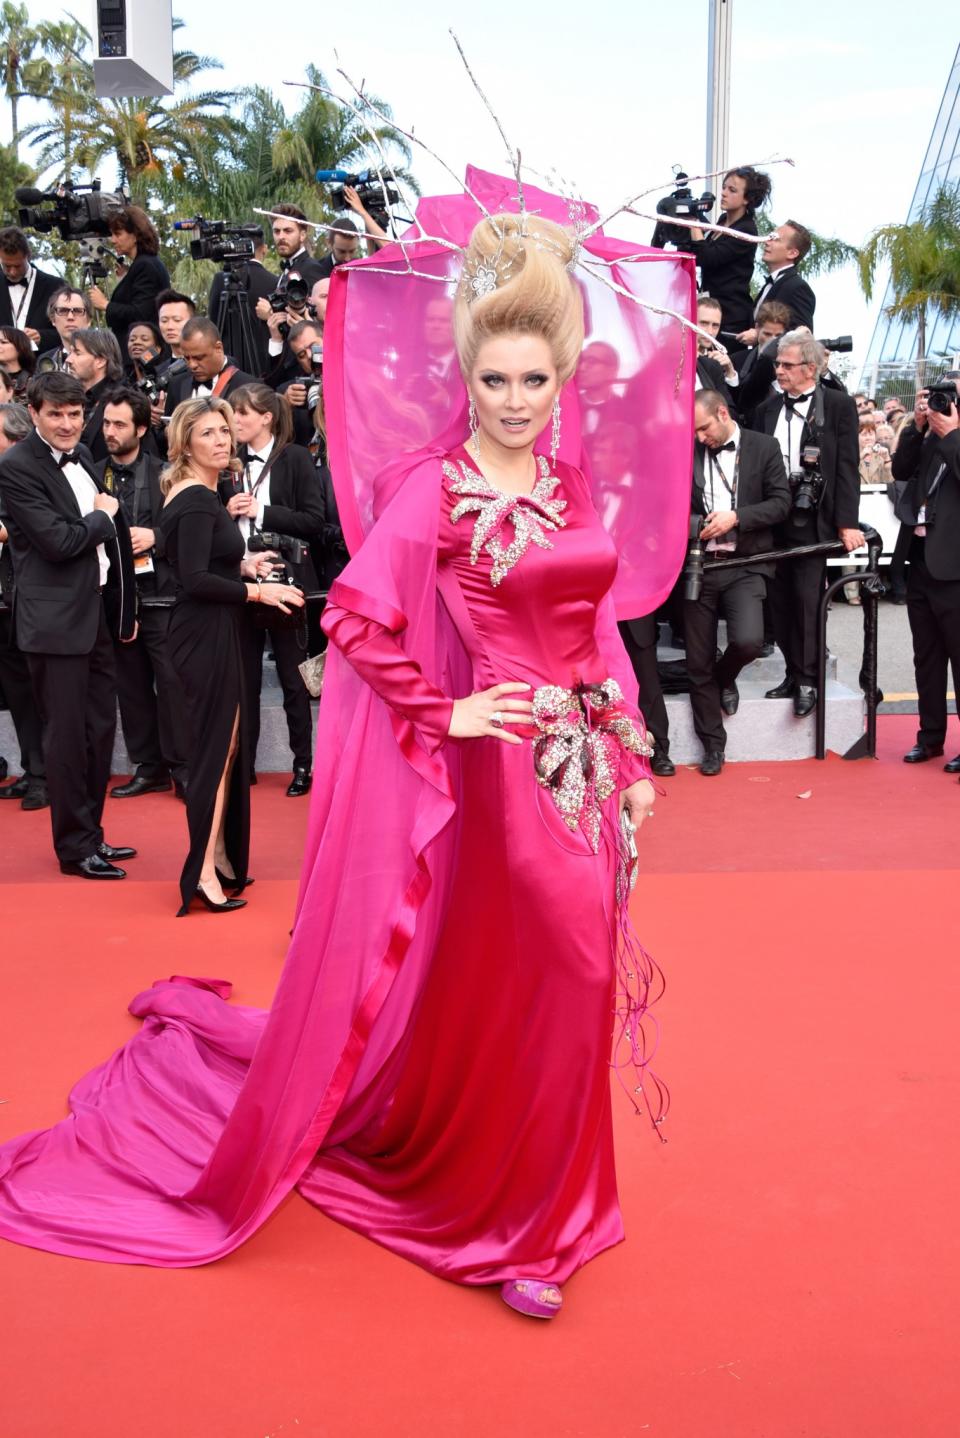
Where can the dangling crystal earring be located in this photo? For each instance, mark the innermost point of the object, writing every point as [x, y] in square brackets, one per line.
[555, 432]
[474, 428]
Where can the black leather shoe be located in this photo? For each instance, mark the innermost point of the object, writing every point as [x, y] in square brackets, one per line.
[767, 650]
[920, 753]
[140, 784]
[784, 690]
[952, 766]
[93, 867]
[804, 700]
[111, 854]
[17, 789]
[180, 790]
[662, 765]
[711, 763]
[300, 783]
[730, 700]
[36, 796]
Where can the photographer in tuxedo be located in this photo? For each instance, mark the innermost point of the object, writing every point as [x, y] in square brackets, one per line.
[740, 489]
[755, 367]
[277, 492]
[209, 371]
[74, 591]
[927, 457]
[25, 291]
[151, 705]
[783, 251]
[817, 431]
[93, 357]
[69, 310]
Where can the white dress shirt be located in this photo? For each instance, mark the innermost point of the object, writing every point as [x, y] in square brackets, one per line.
[768, 286]
[789, 431]
[259, 488]
[21, 293]
[720, 465]
[84, 492]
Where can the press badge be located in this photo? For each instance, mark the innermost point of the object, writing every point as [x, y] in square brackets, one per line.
[920, 528]
[142, 564]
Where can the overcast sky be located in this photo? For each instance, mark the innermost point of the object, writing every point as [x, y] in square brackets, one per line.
[612, 94]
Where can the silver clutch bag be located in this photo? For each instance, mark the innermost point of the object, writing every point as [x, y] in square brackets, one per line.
[311, 672]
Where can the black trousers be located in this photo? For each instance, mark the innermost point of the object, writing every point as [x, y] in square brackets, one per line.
[77, 698]
[290, 650]
[152, 713]
[795, 601]
[640, 640]
[18, 691]
[738, 595]
[933, 608]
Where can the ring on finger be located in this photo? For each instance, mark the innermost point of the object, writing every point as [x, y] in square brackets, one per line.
[496, 719]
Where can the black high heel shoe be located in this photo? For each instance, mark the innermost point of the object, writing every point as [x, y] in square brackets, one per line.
[234, 884]
[226, 907]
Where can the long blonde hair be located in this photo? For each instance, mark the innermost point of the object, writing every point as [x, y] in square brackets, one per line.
[186, 417]
[525, 288]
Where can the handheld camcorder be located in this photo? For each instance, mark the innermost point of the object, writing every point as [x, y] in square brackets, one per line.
[369, 190]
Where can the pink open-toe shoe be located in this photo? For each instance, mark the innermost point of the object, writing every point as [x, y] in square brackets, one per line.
[532, 1296]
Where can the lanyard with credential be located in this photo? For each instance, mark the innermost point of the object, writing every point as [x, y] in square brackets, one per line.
[730, 488]
[25, 296]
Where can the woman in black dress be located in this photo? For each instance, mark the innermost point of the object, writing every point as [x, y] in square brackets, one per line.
[205, 549]
[144, 273]
[726, 264]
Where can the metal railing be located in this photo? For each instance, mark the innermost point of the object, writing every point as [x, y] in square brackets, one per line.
[871, 588]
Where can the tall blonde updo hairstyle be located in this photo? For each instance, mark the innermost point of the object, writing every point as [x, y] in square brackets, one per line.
[516, 281]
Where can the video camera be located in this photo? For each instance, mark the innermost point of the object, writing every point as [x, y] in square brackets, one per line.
[79, 211]
[369, 190]
[680, 204]
[942, 396]
[219, 241]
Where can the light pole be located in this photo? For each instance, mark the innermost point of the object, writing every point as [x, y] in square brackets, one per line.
[718, 87]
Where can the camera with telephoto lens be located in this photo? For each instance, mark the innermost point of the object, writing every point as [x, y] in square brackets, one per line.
[680, 204]
[942, 396]
[374, 196]
[155, 385]
[806, 483]
[692, 575]
[294, 551]
[77, 211]
[217, 240]
[842, 345]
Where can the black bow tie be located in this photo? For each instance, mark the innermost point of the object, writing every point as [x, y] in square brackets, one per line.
[69, 456]
[731, 444]
[289, 262]
[255, 459]
[24, 281]
[792, 400]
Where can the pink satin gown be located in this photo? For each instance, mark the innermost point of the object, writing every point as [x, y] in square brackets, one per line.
[494, 1156]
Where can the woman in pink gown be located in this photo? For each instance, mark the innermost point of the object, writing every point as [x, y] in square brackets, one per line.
[453, 1101]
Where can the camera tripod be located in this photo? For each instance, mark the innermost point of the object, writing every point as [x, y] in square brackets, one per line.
[234, 321]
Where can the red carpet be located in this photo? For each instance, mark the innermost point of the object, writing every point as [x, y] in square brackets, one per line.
[791, 1269]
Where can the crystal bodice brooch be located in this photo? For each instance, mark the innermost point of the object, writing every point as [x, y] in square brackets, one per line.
[529, 514]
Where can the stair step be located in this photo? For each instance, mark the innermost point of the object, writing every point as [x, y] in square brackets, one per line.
[764, 729]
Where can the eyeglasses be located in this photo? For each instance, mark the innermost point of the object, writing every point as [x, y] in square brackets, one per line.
[789, 364]
[63, 310]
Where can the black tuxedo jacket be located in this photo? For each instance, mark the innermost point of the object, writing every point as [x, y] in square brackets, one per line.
[181, 386]
[35, 317]
[917, 459]
[726, 271]
[57, 596]
[135, 297]
[308, 268]
[757, 374]
[790, 289]
[839, 457]
[763, 494]
[710, 376]
[296, 502]
[95, 403]
[142, 503]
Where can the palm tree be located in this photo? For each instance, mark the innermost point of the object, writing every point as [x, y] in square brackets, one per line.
[149, 139]
[62, 77]
[924, 260]
[19, 40]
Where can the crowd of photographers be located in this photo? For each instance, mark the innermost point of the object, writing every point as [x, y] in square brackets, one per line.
[153, 352]
[781, 454]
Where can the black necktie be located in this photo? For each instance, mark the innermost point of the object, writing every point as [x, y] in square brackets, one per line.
[792, 400]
